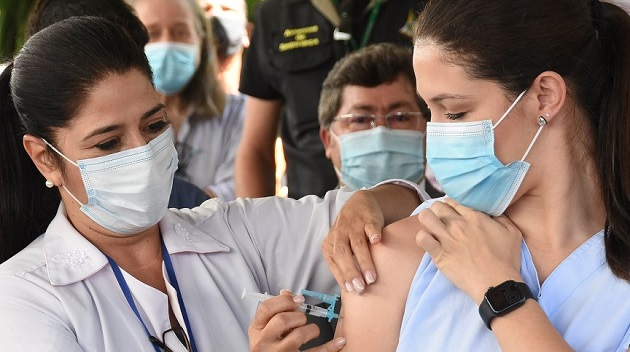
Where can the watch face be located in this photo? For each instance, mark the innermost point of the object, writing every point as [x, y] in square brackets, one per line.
[504, 296]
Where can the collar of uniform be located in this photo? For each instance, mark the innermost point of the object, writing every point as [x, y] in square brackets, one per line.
[328, 9]
[69, 256]
[180, 235]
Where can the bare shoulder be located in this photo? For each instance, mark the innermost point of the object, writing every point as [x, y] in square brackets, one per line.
[371, 321]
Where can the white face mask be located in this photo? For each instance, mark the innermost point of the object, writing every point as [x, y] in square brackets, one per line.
[128, 191]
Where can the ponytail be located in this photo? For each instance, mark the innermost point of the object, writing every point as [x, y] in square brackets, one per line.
[26, 206]
[613, 139]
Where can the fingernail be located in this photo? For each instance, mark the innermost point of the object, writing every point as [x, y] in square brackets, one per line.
[348, 287]
[298, 299]
[358, 284]
[340, 342]
[373, 238]
[285, 290]
[369, 277]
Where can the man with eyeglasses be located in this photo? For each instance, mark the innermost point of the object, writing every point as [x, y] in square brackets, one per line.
[372, 121]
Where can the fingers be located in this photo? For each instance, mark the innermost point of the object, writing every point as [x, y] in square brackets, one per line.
[351, 258]
[507, 223]
[433, 223]
[344, 260]
[460, 209]
[270, 308]
[328, 253]
[334, 345]
[427, 242]
[296, 337]
[373, 231]
[361, 249]
[277, 326]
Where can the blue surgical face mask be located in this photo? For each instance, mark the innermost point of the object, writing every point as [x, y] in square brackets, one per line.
[128, 191]
[462, 158]
[378, 154]
[173, 65]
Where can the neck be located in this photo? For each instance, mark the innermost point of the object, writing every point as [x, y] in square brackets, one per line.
[231, 72]
[175, 111]
[559, 214]
[140, 254]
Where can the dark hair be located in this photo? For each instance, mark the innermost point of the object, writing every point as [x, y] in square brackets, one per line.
[369, 67]
[47, 12]
[51, 77]
[221, 40]
[588, 44]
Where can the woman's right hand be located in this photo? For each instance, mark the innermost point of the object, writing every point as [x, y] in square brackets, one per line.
[279, 327]
[346, 248]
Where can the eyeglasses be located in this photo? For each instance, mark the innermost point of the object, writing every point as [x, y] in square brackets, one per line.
[179, 333]
[395, 120]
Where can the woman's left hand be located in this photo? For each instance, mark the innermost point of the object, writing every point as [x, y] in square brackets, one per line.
[475, 251]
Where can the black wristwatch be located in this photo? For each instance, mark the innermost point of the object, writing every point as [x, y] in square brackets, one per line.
[502, 299]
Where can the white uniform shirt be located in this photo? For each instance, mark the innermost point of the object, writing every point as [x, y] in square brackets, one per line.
[60, 294]
[585, 302]
[207, 148]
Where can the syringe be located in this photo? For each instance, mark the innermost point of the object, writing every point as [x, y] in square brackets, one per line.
[304, 307]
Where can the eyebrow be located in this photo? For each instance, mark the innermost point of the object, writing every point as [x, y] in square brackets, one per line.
[441, 97]
[392, 106]
[110, 128]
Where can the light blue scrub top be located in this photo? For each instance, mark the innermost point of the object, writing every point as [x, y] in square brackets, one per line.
[585, 302]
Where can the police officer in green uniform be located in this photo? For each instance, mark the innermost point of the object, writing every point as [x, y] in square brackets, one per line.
[294, 45]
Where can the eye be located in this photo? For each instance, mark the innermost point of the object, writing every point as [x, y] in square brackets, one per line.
[181, 33]
[400, 117]
[361, 119]
[108, 145]
[157, 126]
[452, 116]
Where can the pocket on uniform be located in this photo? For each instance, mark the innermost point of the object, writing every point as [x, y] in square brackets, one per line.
[302, 41]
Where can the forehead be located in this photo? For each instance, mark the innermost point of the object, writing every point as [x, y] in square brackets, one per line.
[119, 99]
[438, 73]
[164, 12]
[233, 5]
[401, 90]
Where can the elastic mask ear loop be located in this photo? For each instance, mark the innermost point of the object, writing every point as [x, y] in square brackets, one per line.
[509, 109]
[541, 123]
[338, 140]
[71, 162]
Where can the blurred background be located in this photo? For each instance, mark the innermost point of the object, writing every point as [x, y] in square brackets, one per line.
[13, 15]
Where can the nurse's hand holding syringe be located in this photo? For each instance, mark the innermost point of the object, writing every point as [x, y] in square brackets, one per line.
[304, 307]
[279, 324]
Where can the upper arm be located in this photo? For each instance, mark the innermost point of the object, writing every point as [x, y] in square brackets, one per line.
[32, 320]
[261, 123]
[255, 163]
[371, 321]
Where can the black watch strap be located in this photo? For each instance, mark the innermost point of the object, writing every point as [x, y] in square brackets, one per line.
[502, 299]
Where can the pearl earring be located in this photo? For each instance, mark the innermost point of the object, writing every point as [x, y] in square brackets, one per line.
[50, 184]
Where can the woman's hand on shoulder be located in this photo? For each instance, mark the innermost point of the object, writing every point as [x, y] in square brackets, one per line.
[278, 327]
[475, 251]
[346, 248]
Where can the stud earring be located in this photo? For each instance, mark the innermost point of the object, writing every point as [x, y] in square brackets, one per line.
[50, 184]
[542, 121]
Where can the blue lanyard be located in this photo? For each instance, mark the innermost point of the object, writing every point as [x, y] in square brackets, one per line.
[171, 276]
